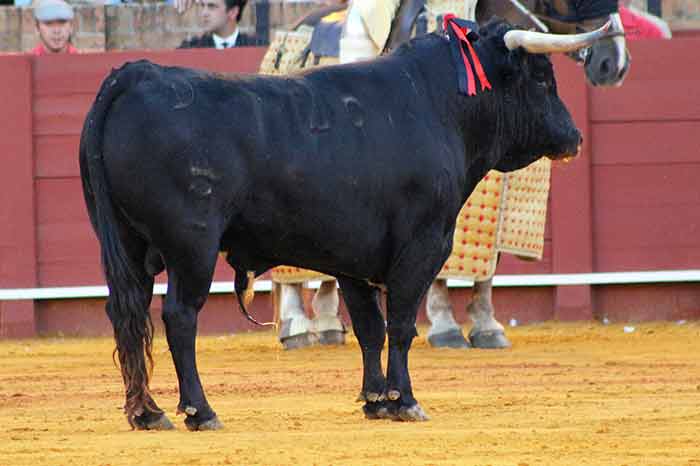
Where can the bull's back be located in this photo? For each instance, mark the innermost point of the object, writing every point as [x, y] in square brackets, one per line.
[302, 155]
[161, 142]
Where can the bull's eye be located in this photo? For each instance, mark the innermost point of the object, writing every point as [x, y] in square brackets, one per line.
[543, 84]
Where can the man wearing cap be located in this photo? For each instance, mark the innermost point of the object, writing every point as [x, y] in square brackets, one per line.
[54, 23]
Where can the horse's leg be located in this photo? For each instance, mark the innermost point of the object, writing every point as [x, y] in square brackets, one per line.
[368, 325]
[355, 42]
[327, 324]
[296, 330]
[487, 332]
[190, 269]
[444, 330]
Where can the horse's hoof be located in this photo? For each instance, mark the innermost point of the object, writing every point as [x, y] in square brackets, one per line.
[153, 423]
[412, 414]
[331, 337]
[211, 424]
[301, 340]
[489, 339]
[450, 339]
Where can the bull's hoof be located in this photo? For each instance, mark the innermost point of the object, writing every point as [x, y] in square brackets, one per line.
[301, 340]
[153, 421]
[331, 337]
[412, 414]
[374, 411]
[162, 423]
[489, 339]
[451, 339]
[193, 424]
[371, 397]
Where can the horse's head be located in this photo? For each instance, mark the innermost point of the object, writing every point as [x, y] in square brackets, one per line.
[606, 62]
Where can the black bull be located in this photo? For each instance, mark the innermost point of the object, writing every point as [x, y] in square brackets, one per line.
[358, 171]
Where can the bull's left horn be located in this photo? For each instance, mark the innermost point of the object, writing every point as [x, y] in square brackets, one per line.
[540, 42]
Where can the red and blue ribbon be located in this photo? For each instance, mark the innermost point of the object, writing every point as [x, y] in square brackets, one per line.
[460, 31]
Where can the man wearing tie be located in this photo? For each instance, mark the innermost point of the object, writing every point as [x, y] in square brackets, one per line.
[220, 22]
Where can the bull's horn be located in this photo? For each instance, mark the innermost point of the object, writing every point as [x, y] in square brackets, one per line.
[540, 42]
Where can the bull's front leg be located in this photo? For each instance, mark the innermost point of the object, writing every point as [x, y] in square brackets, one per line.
[362, 301]
[401, 329]
[407, 283]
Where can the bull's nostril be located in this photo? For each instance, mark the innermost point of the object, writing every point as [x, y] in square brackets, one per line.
[605, 66]
[580, 139]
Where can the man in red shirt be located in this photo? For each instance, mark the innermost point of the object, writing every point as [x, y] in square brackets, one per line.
[642, 25]
[54, 24]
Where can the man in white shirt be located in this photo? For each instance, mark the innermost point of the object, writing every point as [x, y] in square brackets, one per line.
[220, 22]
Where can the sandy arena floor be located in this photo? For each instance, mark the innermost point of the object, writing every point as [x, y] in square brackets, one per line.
[564, 395]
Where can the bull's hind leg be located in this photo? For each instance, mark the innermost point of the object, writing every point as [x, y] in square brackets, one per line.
[368, 324]
[133, 333]
[190, 272]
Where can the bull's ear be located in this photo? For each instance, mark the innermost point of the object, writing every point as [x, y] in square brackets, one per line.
[515, 64]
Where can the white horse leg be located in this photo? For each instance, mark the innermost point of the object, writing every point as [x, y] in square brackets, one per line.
[444, 330]
[487, 332]
[296, 330]
[327, 324]
[355, 43]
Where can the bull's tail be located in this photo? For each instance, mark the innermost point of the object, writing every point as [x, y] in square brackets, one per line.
[127, 306]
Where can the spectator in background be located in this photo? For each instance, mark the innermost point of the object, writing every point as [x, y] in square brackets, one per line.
[642, 25]
[54, 24]
[220, 21]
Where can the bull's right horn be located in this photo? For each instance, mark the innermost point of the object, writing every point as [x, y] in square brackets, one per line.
[541, 42]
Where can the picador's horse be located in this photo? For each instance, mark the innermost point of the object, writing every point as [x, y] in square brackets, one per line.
[477, 243]
[178, 165]
[606, 62]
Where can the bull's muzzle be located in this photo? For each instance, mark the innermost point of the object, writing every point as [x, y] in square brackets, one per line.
[571, 150]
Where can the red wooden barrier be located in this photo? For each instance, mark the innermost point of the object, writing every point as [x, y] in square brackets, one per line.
[17, 223]
[630, 202]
